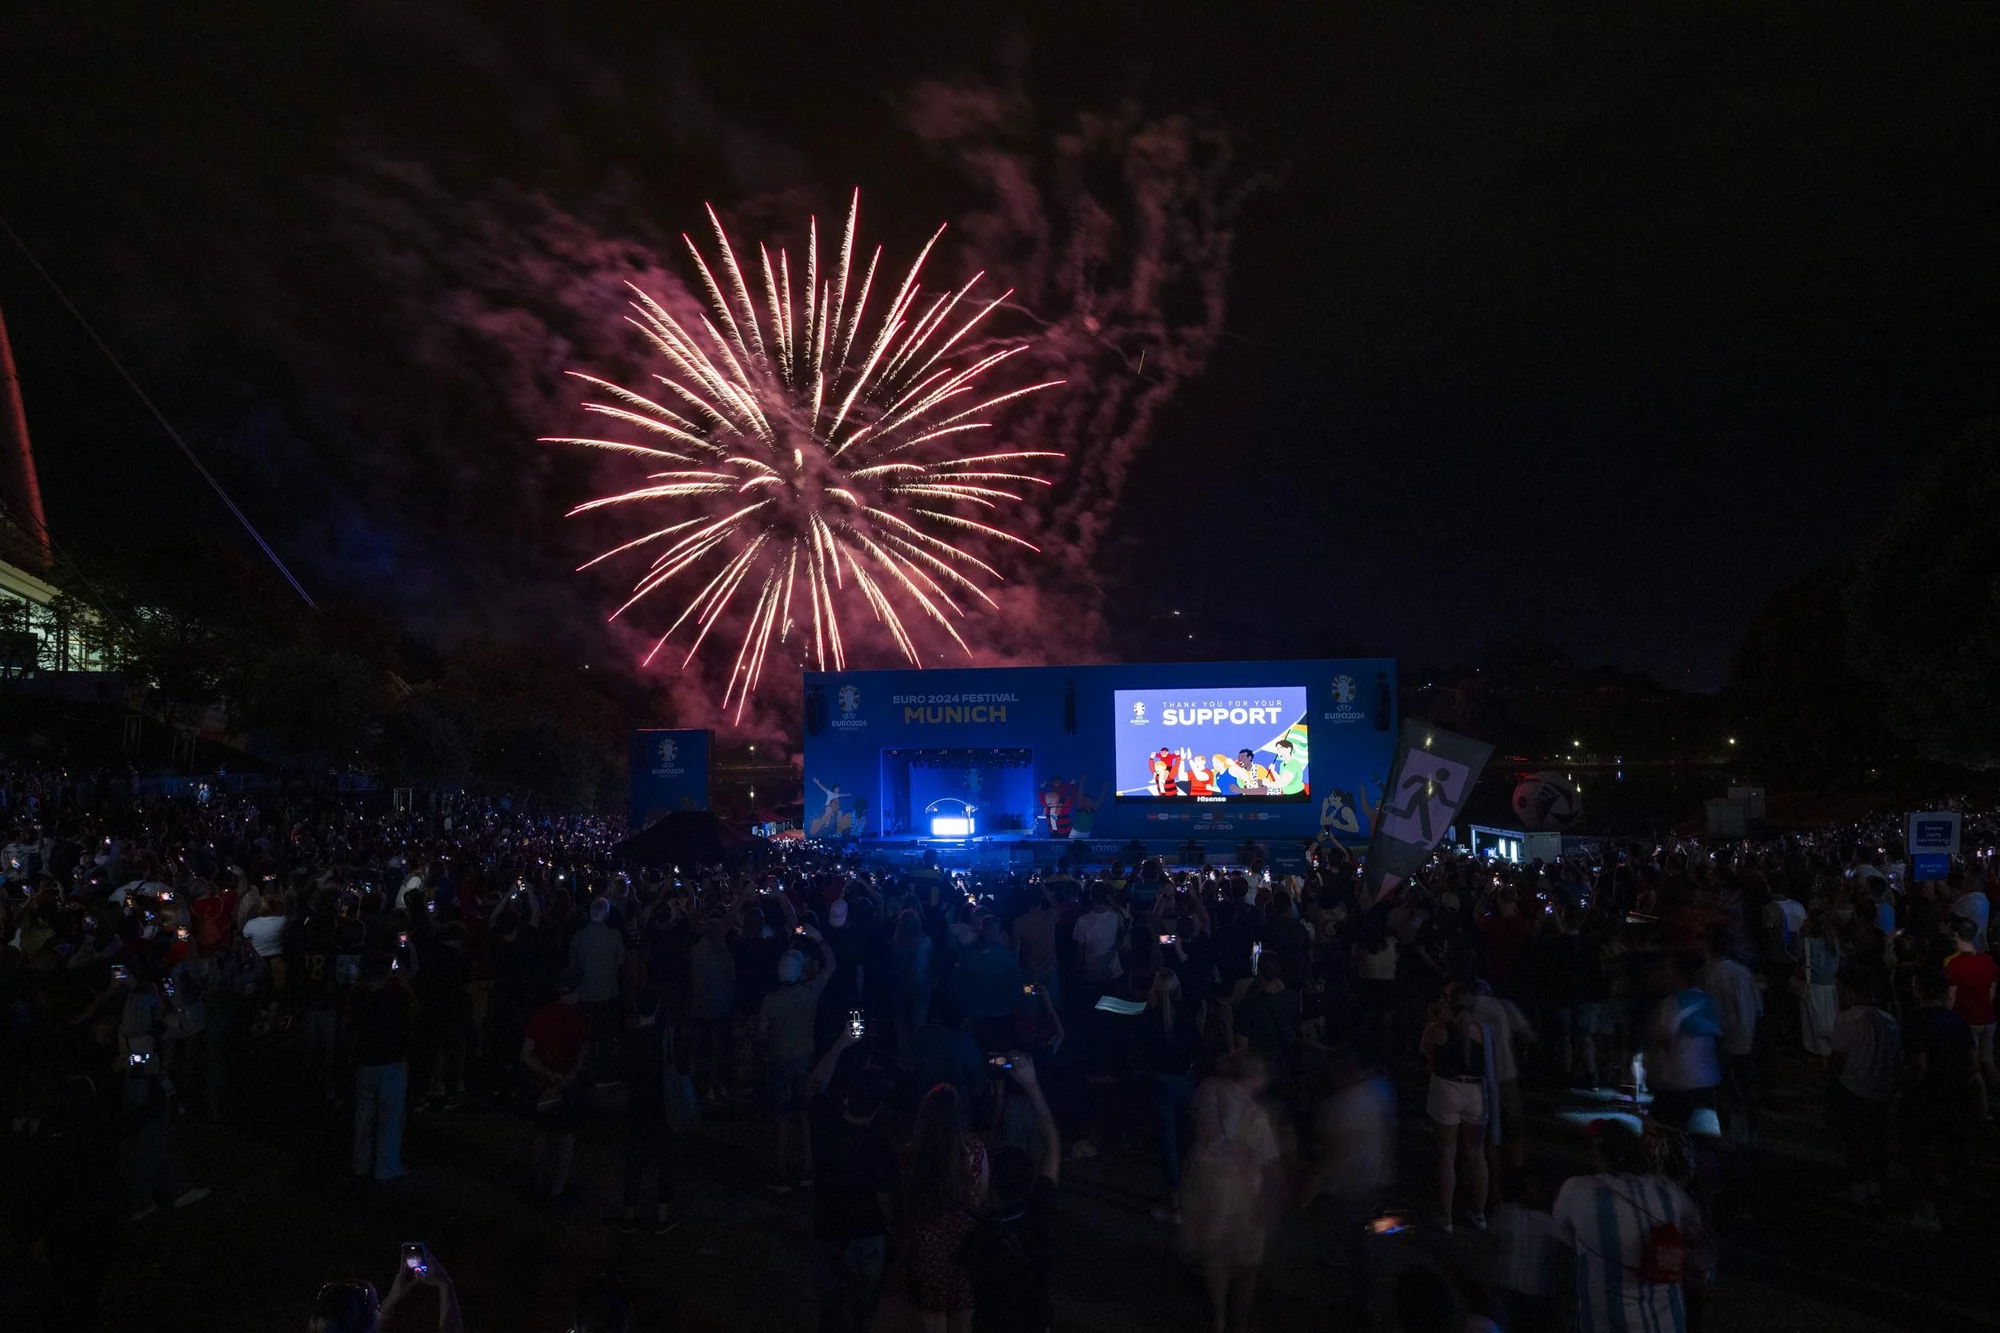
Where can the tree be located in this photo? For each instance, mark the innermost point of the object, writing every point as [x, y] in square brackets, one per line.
[1803, 712]
[1923, 610]
[322, 706]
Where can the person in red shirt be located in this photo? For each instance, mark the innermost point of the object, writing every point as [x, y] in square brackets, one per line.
[213, 913]
[1508, 933]
[1972, 976]
[557, 1051]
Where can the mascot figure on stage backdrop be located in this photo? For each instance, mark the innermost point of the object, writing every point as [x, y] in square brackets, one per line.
[1336, 815]
[1059, 806]
[828, 823]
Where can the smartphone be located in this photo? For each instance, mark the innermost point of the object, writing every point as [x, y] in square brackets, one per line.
[181, 934]
[1166, 939]
[120, 972]
[167, 987]
[395, 964]
[402, 939]
[1256, 956]
[139, 1060]
[1389, 1224]
[1028, 989]
[857, 1026]
[417, 1258]
[999, 1064]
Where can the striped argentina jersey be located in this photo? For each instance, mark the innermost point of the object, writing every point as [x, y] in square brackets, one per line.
[1606, 1220]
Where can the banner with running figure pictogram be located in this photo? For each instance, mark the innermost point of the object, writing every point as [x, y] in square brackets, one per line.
[1428, 785]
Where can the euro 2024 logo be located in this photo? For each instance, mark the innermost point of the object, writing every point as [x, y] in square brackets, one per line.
[850, 700]
[1343, 690]
[1138, 713]
[669, 751]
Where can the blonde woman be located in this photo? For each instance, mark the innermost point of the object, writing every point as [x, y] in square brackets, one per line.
[1459, 1049]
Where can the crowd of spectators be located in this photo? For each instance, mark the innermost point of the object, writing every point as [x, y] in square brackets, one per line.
[929, 1049]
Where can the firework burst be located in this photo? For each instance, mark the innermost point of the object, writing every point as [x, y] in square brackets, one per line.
[813, 457]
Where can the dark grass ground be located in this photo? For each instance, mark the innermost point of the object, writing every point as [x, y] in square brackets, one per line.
[285, 1217]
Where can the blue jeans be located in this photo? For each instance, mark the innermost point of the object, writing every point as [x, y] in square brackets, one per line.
[1171, 1095]
[378, 1119]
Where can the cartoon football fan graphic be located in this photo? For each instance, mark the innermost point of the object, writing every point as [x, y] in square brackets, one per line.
[1201, 779]
[1290, 779]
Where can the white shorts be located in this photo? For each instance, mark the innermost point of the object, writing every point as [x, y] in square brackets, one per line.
[1454, 1103]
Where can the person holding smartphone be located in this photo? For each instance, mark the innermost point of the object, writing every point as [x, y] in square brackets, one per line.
[854, 1193]
[155, 1167]
[351, 1306]
[785, 1031]
[379, 1014]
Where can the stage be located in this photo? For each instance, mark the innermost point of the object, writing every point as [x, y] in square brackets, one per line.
[1013, 768]
[1021, 853]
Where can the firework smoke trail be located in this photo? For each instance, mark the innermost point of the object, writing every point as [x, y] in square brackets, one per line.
[820, 459]
[1120, 247]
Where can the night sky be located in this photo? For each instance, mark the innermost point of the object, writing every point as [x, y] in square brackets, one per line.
[1595, 328]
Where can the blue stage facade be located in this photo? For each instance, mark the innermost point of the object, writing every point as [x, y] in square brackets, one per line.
[1022, 765]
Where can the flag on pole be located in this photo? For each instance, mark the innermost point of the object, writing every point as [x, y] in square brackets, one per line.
[1428, 784]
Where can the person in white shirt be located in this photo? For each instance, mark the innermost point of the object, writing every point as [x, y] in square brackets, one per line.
[1681, 1063]
[266, 930]
[1096, 934]
[1867, 1050]
[1784, 918]
[1611, 1222]
[1739, 1003]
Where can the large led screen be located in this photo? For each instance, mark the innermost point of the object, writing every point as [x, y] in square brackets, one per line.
[1212, 745]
